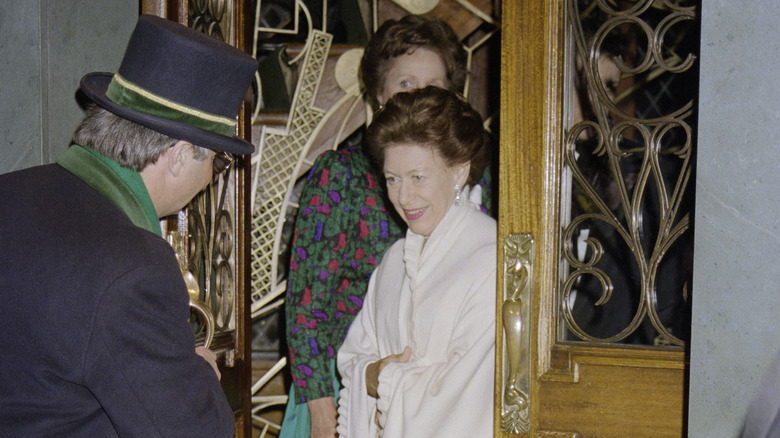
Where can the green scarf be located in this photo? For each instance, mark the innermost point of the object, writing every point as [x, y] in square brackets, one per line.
[122, 186]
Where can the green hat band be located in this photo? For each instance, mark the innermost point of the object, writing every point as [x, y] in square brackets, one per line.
[129, 95]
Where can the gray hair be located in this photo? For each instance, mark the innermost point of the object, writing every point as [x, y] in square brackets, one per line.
[128, 143]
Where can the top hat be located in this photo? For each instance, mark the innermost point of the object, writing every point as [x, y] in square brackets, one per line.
[178, 82]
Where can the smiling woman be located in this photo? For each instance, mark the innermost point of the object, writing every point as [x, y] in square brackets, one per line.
[420, 185]
[418, 359]
[430, 145]
[345, 225]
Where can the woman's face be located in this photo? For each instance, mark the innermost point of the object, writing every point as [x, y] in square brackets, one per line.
[415, 69]
[420, 185]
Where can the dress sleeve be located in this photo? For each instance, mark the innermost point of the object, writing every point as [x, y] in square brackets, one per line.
[141, 363]
[342, 229]
[450, 398]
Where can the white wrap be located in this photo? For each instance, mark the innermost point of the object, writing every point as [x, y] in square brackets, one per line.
[438, 297]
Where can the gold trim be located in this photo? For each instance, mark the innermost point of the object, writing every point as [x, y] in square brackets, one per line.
[171, 104]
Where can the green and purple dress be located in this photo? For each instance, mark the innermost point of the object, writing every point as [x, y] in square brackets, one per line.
[343, 227]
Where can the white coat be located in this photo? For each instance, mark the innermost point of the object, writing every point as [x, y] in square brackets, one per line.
[438, 297]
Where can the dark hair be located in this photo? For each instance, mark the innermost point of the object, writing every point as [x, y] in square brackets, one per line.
[398, 37]
[126, 142]
[431, 117]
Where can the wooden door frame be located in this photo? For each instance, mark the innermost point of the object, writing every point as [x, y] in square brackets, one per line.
[531, 114]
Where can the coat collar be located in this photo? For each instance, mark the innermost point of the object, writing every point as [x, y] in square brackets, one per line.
[417, 247]
[122, 186]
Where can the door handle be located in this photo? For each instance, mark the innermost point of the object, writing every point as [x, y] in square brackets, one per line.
[177, 242]
[193, 289]
[515, 317]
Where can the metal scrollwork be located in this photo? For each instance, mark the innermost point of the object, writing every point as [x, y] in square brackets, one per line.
[626, 235]
[177, 239]
[518, 266]
[205, 231]
[212, 17]
[211, 248]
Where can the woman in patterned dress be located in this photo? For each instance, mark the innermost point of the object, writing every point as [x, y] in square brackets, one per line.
[343, 226]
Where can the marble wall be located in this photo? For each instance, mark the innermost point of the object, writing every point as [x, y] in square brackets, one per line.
[46, 46]
[736, 298]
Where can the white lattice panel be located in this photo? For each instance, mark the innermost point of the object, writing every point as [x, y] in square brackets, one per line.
[274, 168]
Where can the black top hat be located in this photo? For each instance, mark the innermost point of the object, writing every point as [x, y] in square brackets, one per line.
[179, 82]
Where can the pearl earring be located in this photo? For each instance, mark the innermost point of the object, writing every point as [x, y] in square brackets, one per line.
[457, 195]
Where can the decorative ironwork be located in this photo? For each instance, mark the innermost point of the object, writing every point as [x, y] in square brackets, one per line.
[177, 240]
[204, 239]
[212, 250]
[212, 17]
[627, 236]
[515, 313]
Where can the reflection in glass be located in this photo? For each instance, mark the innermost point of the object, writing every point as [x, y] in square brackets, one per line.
[627, 179]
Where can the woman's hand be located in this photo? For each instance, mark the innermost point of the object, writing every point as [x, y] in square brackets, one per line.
[323, 417]
[373, 370]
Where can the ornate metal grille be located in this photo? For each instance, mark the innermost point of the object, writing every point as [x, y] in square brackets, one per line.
[627, 233]
[211, 245]
[209, 224]
[212, 17]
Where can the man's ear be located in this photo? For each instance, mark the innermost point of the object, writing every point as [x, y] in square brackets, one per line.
[176, 157]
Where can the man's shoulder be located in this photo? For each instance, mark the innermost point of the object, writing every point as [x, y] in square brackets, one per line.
[40, 184]
[49, 208]
[22, 177]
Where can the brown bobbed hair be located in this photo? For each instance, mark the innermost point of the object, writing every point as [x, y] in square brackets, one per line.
[398, 37]
[431, 117]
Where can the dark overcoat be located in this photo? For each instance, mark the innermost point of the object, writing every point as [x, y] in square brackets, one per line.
[94, 332]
